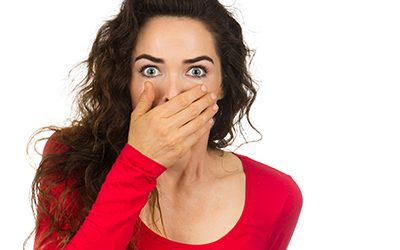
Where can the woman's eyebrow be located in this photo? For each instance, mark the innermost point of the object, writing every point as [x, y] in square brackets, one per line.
[149, 57]
[197, 59]
[159, 60]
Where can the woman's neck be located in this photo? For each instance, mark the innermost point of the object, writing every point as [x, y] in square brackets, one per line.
[198, 164]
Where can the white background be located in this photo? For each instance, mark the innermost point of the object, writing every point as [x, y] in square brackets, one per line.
[328, 106]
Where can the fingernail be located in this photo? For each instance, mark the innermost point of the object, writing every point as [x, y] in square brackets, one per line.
[213, 96]
[215, 107]
[204, 88]
[211, 121]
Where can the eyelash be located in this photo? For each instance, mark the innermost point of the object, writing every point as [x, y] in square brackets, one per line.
[142, 69]
[205, 70]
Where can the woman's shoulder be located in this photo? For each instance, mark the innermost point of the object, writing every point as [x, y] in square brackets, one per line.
[261, 170]
[56, 153]
[270, 189]
[55, 144]
[268, 180]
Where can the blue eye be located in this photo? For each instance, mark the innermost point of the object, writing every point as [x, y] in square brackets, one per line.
[197, 72]
[149, 71]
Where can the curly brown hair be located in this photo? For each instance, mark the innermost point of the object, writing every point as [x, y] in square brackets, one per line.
[82, 153]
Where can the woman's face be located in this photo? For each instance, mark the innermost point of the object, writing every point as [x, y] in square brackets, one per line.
[175, 54]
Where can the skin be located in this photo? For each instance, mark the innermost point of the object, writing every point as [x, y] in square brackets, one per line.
[176, 82]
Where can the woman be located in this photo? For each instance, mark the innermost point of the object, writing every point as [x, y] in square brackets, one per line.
[142, 166]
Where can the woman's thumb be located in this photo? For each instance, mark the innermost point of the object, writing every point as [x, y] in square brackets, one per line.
[146, 100]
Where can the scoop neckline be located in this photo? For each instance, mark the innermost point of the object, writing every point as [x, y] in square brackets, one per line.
[217, 242]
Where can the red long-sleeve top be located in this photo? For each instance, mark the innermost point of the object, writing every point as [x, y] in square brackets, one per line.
[272, 208]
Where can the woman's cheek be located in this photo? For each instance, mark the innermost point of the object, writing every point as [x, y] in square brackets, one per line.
[192, 81]
[156, 81]
[212, 84]
[136, 91]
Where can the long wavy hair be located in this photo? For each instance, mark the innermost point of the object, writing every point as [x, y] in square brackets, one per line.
[82, 153]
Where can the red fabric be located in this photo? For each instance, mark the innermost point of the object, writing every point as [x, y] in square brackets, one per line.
[272, 208]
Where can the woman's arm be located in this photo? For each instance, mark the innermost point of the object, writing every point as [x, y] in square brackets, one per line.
[284, 227]
[111, 220]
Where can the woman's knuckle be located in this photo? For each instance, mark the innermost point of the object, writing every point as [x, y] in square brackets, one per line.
[192, 110]
[198, 135]
[172, 142]
[163, 131]
[179, 151]
[197, 123]
[156, 118]
[182, 101]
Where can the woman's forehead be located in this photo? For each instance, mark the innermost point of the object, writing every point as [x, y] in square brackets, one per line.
[173, 36]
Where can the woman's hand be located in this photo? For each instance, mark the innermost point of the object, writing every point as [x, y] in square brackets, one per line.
[166, 132]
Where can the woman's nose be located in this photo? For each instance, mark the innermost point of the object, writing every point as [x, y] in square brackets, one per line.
[172, 86]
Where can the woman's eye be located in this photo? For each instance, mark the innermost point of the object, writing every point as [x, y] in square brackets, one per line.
[149, 71]
[197, 72]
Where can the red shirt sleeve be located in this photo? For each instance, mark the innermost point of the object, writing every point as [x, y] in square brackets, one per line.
[282, 232]
[111, 221]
